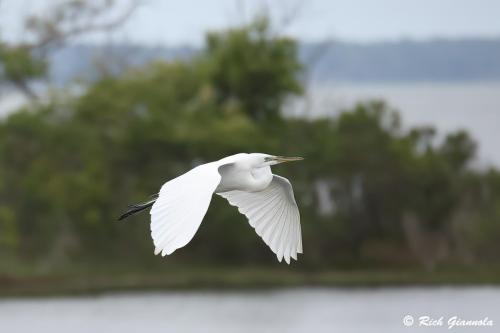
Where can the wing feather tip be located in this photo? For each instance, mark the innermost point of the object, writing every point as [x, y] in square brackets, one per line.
[273, 234]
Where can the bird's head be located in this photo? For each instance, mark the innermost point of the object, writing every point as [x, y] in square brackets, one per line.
[268, 160]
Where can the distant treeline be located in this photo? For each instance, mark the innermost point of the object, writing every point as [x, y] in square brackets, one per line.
[436, 60]
[371, 194]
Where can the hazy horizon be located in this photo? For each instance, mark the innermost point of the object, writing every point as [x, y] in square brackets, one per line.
[169, 23]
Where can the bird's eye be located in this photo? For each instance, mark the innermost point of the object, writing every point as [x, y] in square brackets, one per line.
[268, 159]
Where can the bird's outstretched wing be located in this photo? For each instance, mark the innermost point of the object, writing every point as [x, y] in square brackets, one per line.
[274, 215]
[181, 206]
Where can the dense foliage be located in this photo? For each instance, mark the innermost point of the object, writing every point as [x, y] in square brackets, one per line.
[369, 191]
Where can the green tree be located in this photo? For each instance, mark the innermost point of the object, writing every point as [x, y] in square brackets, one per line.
[251, 67]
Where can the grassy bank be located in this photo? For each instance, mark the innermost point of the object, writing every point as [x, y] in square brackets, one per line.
[233, 278]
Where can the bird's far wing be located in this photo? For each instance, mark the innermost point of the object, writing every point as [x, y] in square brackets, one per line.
[273, 214]
[181, 206]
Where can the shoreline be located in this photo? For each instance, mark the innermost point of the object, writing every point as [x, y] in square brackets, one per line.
[235, 279]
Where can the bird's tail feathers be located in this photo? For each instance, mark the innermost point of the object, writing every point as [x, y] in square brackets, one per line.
[136, 208]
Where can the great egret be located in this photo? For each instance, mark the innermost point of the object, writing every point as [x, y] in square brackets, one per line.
[246, 181]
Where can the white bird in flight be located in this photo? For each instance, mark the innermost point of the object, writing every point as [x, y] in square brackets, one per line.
[245, 181]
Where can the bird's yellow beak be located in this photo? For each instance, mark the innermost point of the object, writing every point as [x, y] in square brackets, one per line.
[283, 159]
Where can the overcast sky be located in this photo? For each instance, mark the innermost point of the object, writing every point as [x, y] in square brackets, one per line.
[173, 22]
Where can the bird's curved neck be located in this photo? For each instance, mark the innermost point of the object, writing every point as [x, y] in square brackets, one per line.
[261, 177]
[244, 178]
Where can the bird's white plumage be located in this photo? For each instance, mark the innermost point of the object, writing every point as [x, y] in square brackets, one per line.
[181, 206]
[266, 200]
[273, 214]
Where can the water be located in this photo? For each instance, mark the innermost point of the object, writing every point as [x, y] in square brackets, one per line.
[473, 106]
[447, 106]
[288, 310]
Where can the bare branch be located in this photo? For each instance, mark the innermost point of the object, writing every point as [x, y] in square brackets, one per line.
[24, 87]
[70, 19]
[291, 14]
[76, 18]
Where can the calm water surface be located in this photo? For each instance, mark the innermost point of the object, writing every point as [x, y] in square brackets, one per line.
[289, 310]
[446, 106]
[474, 106]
